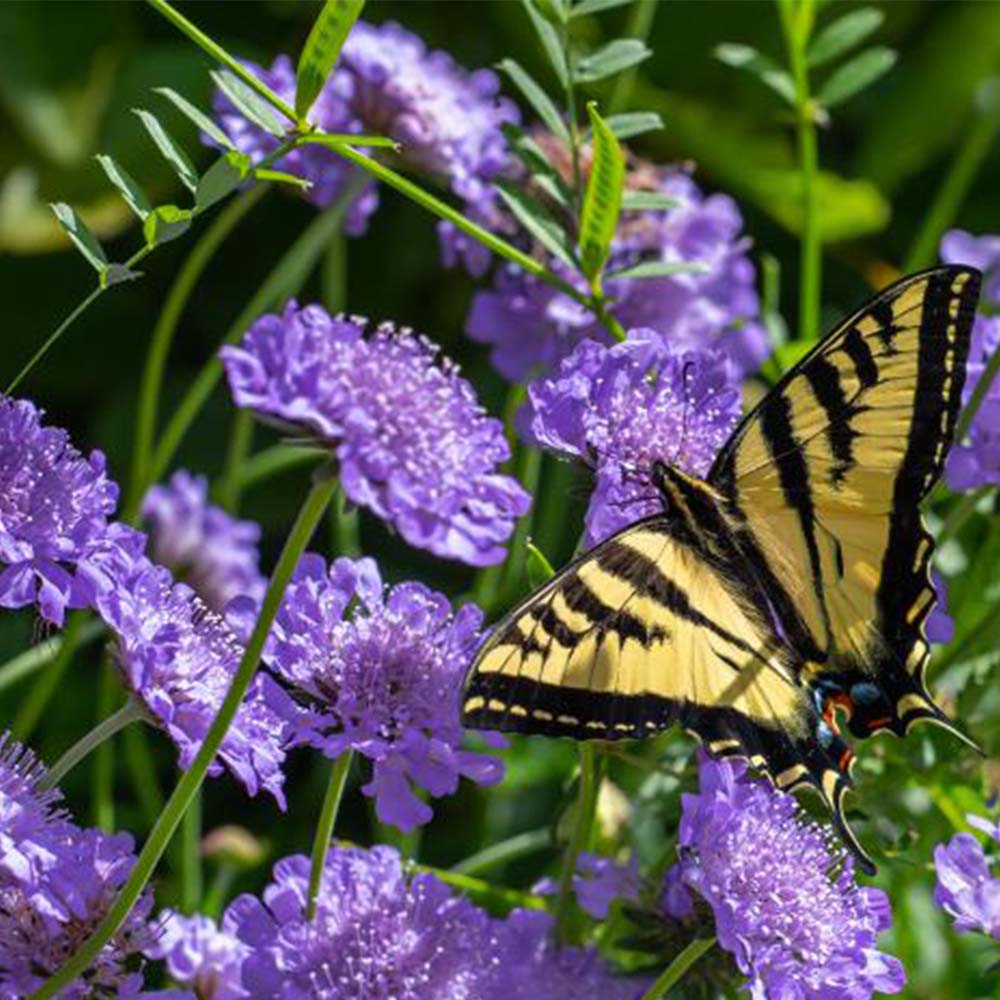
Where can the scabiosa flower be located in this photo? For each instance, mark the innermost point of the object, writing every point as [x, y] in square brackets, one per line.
[966, 889]
[56, 545]
[786, 905]
[531, 326]
[201, 544]
[201, 955]
[178, 658]
[384, 680]
[940, 626]
[621, 408]
[980, 252]
[600, 880]
[411, 440]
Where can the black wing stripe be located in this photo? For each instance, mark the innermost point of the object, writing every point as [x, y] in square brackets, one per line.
[824, 379]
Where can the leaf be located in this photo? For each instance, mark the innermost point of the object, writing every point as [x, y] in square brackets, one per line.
[543, 173]
[629, 124]
[197, 117]
[222, 178]
[585, 7]
[166, 223]
[646, 201]
[844, 33]
[282, 177]
[758, 65]
[249, 102]
[321, 50]
[537, 98]
[353, 139]
[118, 274]
[619, 54]
[169, 148]
[551, 42]
[537, 567]
[83, 239]
[658, 269]
[536, 219]
[134, 196]
[856, 74]
[603, 197]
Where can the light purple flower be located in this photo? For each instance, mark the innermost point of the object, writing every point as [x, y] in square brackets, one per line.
[980, 252]
[621, 408]
[383, 680]
[600, 880]
[411, 440]
[966, 889]
[178, 658]
[531, 326]
[201, 544]
[786, 905]
[57, 549]
[940, 626]
[201, 955]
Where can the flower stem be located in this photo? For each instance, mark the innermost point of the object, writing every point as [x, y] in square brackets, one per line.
[189, 783]
[274, 461]
[674, 972]
[324, 828]
[103, 767]
[345, 535]
[191, 875]
[129, 712]
[583, 822]
[518, 846]
[240, 442]
[959, 514]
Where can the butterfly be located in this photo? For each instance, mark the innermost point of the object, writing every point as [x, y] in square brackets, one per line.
[782, 596]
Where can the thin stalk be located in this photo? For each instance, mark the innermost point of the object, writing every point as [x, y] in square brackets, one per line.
[518, 846]
[676, 970]
[483, 892]
[218, 890]
[324, 828]
[574, 136]
[333, 275]
[959, 514]
[529, 470]
[160, 342]
[345, 533]
[129, 712]
[219, 54]
[275, 461]
[583, 822]
[192, 885]
[238, 450]
[142, 773]
[190, 781]
[103, 774]
[978, 395]
[639, 25]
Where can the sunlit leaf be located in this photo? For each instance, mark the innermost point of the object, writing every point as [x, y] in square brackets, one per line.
[658, 269]
[585, 7]
[646, 201]
[543, 173]
[83, 239]
[197, 117]
[629, 124]
[536, 219]
[758, 65]
[549, 37]
[222, 178]
[134, 196]
[844, 33]
[856, 74]
[249, 102]
[602, 198]
[118, 274]
[537, 98]
[169, 148]
[166, 223]
[617, 55]
[322, 48]
[282, 177]
[537, 567]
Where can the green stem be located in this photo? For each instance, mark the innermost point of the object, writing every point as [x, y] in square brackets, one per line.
[485, 893]
[275, 461]
[189, 783]
[192, 885]
[324, 828]
[518, 846]
[574, 135]
[985, 627]
[639, 25]
[34, 659]
[151, 385]
[240, 442]
[219, 54]
[142, 772]
[529, 470]
[344, 527]
[959, 514]
[977, 397]
[103, 775]
[218, 891]
[130, 712]
[675, 971]
[583, 821]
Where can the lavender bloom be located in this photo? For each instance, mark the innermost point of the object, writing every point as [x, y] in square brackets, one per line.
[412, 442]
[940, 626]
[980, 252]
[178, 658]
[620, 408]
[384, 681]
[966, 889]
[201, 955]
[531, 326]
[599, 881]
[201, 544]
[796, 927]
[56, 546]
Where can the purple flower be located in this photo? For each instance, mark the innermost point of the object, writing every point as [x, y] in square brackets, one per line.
[981, 252]
[201, 955]
[531, 326]
[599, 881]
[383, 680]
[56, 546]
[178, 658]
[966, 889]
[785, 904]
[622, 407]
[411, 440]
[201, 544]
[940, 626]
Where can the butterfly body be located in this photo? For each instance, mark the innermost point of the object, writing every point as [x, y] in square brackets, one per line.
[785, 591]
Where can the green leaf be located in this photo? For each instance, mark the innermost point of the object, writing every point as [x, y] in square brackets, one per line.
[551, 42]
[646, 201]
[585, 7]
[83, 239]
[603, 197]
[134, 196]
[166, 223]
[537, 98]
[248, 102]
[844, 33]
[617, 55]
[197, 117]
[658, 269]
[282, 177]
[758, 65]
[222, 178]
[538, 568]
[629, 124]
[543, 173]
[856, 74]
[321, 50]
[536, 219]
[169, 148]
[118, 274]
[352, 139]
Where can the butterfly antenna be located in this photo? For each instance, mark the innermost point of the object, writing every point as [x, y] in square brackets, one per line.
[685, 372]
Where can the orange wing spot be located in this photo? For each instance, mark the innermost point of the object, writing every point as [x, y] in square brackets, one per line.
[845, 761]
[881, 723]
[830, 706]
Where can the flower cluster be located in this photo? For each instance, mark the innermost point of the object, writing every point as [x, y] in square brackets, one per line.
[383, 681]
[966, 889]
[411, 440]
[621, 408]
[201, 955]
[785, 904]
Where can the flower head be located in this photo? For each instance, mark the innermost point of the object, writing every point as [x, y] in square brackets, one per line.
[966, 889]
[178, 659]
[621, 408]
[383, 680]
[797, 927]
[411, 440]
[201, 544]
[56, 545]
[980, 252]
